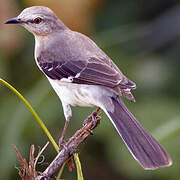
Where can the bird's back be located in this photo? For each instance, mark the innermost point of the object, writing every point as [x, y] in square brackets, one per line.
[70, 46]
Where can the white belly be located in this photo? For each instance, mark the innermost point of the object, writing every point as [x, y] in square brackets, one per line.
[80, 94]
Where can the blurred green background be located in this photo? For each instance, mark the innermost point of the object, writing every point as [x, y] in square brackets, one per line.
[143, 39]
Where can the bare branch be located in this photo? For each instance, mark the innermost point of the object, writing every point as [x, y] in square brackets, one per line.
[71, 146]
[66, 152]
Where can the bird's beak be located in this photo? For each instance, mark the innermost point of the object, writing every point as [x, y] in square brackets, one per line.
[13, 21]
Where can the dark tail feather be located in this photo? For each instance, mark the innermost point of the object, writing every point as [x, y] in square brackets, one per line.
[144, 148]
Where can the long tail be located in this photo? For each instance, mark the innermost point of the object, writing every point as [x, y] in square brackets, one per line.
[144, 148]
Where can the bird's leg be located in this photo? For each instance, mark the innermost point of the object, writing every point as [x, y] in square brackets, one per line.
[68, 115]
[61, 139]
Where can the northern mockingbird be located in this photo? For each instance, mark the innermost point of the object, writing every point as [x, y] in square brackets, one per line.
[82, 74]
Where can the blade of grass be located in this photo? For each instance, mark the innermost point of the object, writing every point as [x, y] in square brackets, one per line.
[78, 166]
[32, 111]
[12, 127]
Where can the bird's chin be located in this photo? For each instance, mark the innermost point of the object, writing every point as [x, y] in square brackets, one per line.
[27, 28]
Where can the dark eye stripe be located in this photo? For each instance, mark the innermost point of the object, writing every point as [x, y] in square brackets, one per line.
[29, 21]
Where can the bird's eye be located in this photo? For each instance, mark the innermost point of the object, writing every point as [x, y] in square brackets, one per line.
[37, 20]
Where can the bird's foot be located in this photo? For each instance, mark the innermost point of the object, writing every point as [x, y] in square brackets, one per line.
[62, 143]
[95, 117]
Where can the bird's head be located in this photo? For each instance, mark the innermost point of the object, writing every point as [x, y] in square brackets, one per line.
[38, 20]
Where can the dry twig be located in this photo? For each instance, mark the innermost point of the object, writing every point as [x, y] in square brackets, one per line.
[28, 172]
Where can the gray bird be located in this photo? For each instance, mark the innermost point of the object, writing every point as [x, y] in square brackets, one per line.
[82, 74]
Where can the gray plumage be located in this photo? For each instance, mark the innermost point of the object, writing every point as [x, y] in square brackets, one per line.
[82, 74]
[143, 146]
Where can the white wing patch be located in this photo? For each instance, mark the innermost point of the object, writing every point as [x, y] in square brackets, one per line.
[69, 79]
[77, 75]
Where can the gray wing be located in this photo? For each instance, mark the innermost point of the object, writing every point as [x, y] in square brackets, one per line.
[94, 72]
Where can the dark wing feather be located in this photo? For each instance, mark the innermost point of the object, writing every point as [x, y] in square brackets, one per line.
[86, 72]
